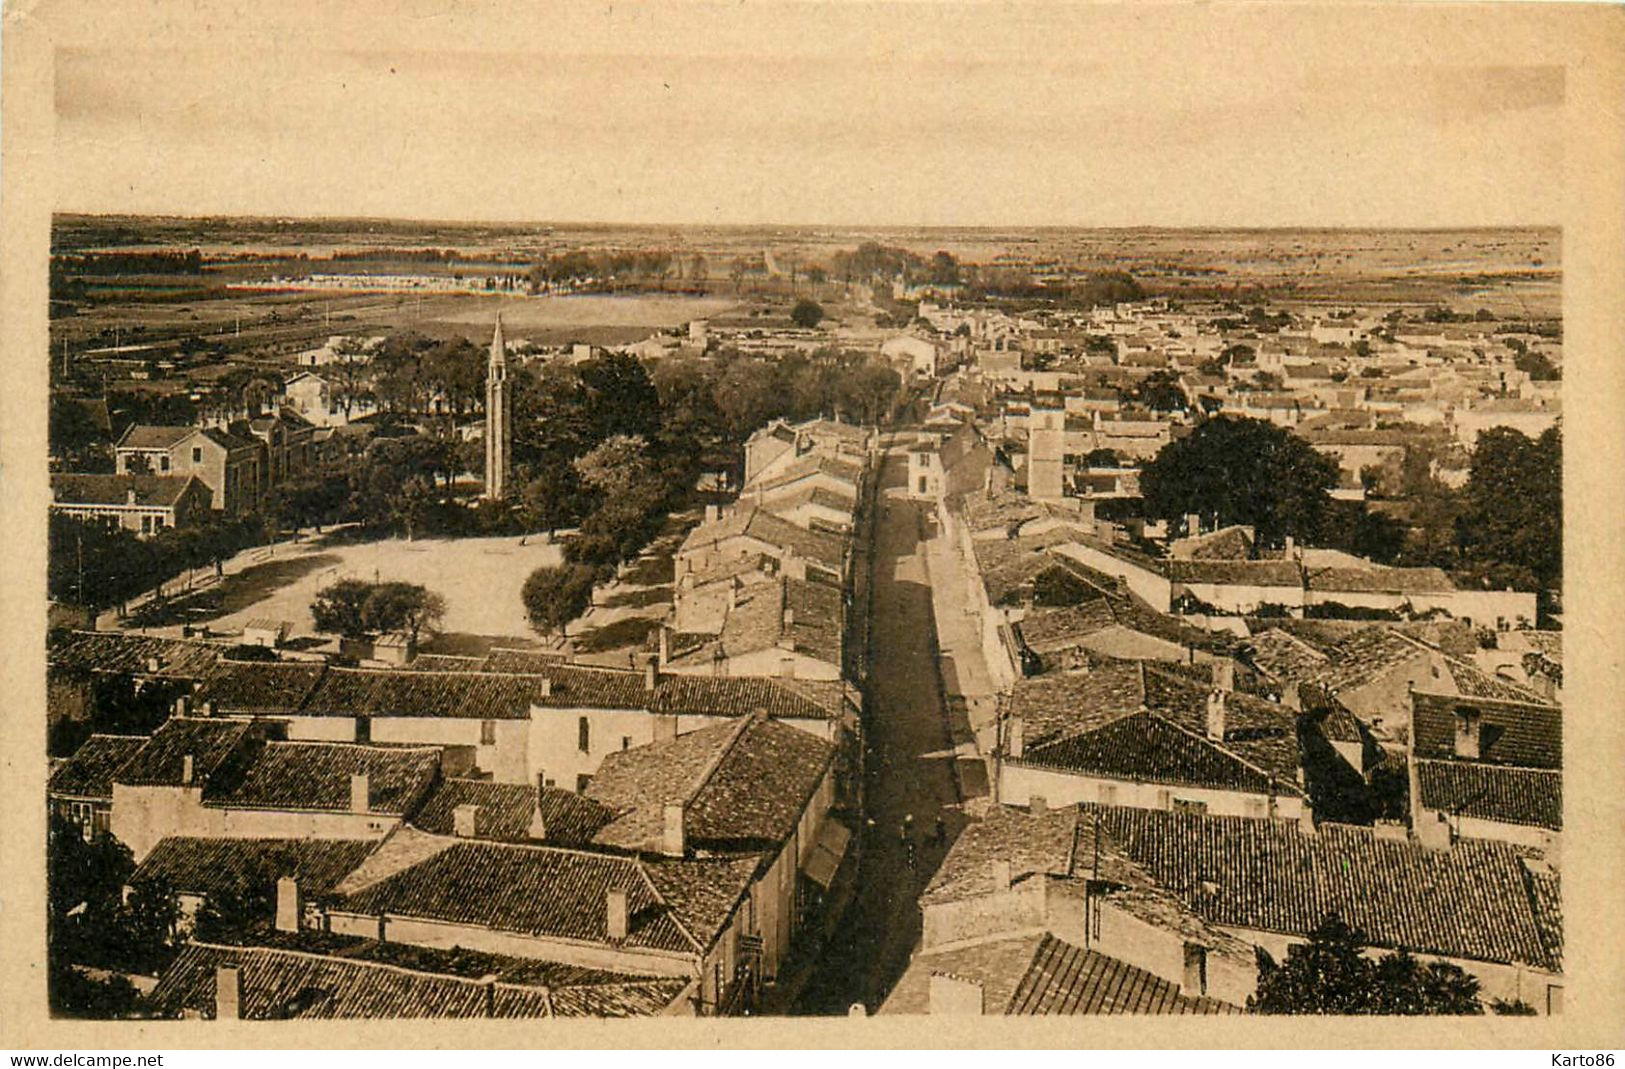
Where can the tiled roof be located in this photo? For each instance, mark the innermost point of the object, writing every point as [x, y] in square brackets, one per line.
[1472, 681]
[1227, 543]
[1467, 902]
[1064, 979]
[1532, 796]
[392, 692]
[251, 687]
[1546, 892]
[89, 772]
[448, 662]
[1525, 734]
[151, 491]
[494, 693]
[552, 892]
[742, 785]
[316, 776]
[1366, 654]
[1378, 580]
[1237, 572]
[1283, 655]
[161, 760]
[1049, 842]
[103, 651]
[282, 984]
[206, 865]
[844, 470]
[507, 810]
[1146, 748]
[750, 521]
[146, 436]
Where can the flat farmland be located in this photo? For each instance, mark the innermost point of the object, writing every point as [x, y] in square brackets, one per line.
[524, 314]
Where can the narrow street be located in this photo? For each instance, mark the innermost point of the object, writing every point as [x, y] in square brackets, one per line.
[910, 770]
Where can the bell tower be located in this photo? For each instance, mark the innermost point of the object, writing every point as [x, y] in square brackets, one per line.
[498, 433]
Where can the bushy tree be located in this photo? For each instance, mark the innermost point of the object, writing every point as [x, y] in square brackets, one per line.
[355, 607]
[555, 595]
[1242, 471]
[1330, 974]
[1511, 531]
[338, 608]
[807, 314]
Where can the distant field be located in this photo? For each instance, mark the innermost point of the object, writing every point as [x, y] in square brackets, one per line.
[538, 313]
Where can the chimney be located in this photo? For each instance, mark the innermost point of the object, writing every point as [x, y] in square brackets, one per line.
[1217, 700]
[952, 995]
[1224, 675]
[360, 793]
[665, 727]
[228, 993]
[664, 656]
[616, 914]
[188, 770]
[129, 496]
[673, 840]
[1001, 874]
[1014, 729]
[711, 514]
[1467, 734]
[792, 566]
[1194, 982]
[1306, 819]
[544, 687]
[1291, 548]
[488, 992]
[538, 823]
[154, 666]
[1037, 805]
[651, 674]
[463, 820]
[205, 709]
[288, 905]
[1193, 524]
[183, 705]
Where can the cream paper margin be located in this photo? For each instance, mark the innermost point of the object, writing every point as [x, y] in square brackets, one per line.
[1588, 41]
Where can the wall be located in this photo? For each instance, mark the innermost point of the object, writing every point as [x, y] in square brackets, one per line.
[1019, 782]
[143, 815]
[770, 662]
[1124, 936]
[554, 744]
[1023, 907]
[430, 933]
[1239, 598]
[1150, 586]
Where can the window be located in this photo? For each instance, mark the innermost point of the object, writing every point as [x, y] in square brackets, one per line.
[488, 732]
[163, 462]
[197, 454]
[584, 735]
[582, 781]
[363, 729]
[146, 525]
[1186, 805]
[922, 484]
[626, 742]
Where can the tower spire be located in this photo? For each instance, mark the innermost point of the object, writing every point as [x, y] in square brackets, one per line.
[498, 434]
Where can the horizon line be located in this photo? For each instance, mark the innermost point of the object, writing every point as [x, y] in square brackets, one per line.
[608, 224]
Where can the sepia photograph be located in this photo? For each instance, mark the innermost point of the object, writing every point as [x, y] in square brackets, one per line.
[881, 512]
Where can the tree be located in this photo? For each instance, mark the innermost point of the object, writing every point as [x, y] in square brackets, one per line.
[1101, 458]
[1537, 365]
[554, 595]
[944, 269]
[1242, 471]
[1514, 508]
[1160, 391]
[1330, 974]
[408, 607]
[338, 608]
[807, 314]
[618, 468]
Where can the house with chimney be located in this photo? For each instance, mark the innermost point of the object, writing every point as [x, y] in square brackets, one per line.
[235, 469]
[1155, 737]
[1033, 912]
[1486, 768]
[143, 504]
[227, 779]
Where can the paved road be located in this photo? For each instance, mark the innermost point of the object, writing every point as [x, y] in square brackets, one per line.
[906, 728]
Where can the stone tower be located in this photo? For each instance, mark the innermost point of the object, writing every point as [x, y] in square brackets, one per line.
[498, 432]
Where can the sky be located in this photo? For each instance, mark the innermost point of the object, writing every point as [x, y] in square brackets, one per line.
[971, 114]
